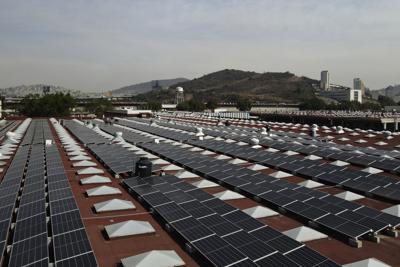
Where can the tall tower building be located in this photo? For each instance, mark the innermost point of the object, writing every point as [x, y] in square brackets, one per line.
[325, 84]
[359, 85]
[179, 97]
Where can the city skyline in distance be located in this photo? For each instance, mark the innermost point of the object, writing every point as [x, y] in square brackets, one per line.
[101, 45]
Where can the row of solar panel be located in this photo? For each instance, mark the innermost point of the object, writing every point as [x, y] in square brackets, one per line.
[221, 233]
[30, 235]
[381, 186]
[117, 160]
[70, 242]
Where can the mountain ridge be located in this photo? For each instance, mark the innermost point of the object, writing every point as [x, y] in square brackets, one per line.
[228, 84]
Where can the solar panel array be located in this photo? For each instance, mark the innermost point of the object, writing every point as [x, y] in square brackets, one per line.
[180, 206]
[381, 186]
[352, 220]
[377, 185]
[306, 146]
[335, 215]
[115, 158]
[34, 166]
[218, 232]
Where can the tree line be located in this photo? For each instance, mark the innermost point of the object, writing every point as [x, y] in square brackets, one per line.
[60, 105]
[319, 104]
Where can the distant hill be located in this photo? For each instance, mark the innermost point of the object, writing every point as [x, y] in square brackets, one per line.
[390, 91]
[146, 86]
[226, 85]
[23, 90]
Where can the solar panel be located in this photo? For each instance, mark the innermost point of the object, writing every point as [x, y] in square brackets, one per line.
[31, 226]
[284, 244]
[65, 222]
[30, 251]
[210, 244]
[225, 256]
[306, 257]
[256, 250]
[87, 260]
[71, 244]
[276, 260]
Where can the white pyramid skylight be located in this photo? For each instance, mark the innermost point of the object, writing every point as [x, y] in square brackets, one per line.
[291, 153]
[195, 149]
[303, 234]
[159, 258]
[237, 161]
[90, 170]
[394, 210]
[79, 157]
[103, 191]
[222, 157]
[76, 153]
[128, 228]
[186, 175]
[313, 157]
[228, 195]
[371, 262]
[340, 163]
[113, 204]
[84, 163]
[257, 167]
[95, 179]
[380, 143]
[159, 162]
[172, 167]
[207, 152]
[310, 184]
[280, 174]
[350, 196]
[204, 184]
[372, 170]
[260, 212]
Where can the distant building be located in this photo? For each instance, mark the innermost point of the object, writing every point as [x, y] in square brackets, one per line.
[356, 95]
[179, 98]
[341, 95]
[129, 112]
[359, 85]
[325, 83]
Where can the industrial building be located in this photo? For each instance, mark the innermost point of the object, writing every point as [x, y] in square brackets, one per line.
[183, 190]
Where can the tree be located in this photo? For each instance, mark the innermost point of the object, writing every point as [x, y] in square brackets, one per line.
[99, 106]
[191, 105]
[57, 105]
[313, 104]
[212, 105]
[153, 105]
[243, 104]
[386, 101]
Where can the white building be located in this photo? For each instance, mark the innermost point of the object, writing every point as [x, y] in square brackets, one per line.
[325, 83]
[343, 95]
[356, 95]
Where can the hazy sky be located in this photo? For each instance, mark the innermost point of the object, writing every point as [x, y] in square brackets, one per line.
[95, 45]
